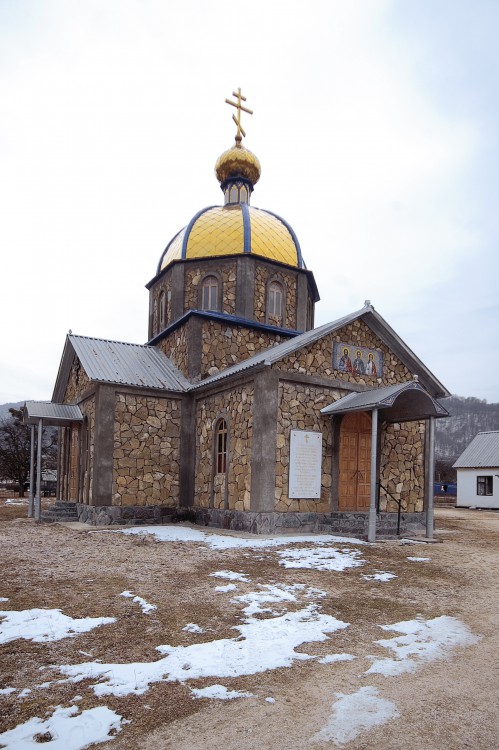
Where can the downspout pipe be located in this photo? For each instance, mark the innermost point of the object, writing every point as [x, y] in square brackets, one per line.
[430, 477]
[371, 535]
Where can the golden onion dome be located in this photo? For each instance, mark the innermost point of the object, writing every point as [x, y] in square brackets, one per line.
[237, 163]
[234, 229]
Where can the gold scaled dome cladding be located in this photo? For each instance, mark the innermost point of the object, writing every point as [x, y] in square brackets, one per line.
[235, 228]
[238, 162]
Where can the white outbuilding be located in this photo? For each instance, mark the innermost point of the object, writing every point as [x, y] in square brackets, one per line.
[478, 472]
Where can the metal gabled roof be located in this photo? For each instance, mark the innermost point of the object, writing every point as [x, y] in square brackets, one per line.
[372, 319]
[127, 364]
[384, 398]
[483, 451]
[50, 413]
[279, 351]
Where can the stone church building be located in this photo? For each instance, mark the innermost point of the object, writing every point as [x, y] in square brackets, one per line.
[237, 412]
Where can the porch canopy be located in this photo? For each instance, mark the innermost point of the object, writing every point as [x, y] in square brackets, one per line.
[403, 402]
[54, 415]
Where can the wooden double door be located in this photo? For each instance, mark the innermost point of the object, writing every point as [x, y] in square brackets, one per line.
[354, 488]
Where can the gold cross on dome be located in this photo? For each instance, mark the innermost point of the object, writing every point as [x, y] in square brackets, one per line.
[240, 108]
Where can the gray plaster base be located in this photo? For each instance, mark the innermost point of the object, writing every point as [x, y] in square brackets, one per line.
[346, 524]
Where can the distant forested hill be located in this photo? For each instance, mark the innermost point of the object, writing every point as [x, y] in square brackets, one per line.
[469, 416]
[4, 408]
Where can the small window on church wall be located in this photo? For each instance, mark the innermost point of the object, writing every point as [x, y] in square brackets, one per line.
[155, 317]
[244, 194]
[210, 293]
[162, 310]
[221, 447]
[275, 304]
[233, 194]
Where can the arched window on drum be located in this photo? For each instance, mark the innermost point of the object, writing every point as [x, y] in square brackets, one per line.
[210, 295]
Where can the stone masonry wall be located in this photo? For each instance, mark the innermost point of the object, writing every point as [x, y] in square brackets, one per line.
[163, 286]
[146, 451]
[317, 359]
[224, 345]
[88, 410]
[194, 276]
[299, 409]
[175, 347]
[236, 407]
[78, 382]
[402, 466]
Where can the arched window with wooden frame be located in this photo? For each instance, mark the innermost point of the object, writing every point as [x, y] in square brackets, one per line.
[275, 303]
[210, 293]
[221, 447]
[162, 310]
[155, 318]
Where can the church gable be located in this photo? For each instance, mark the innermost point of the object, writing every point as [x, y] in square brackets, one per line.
[78, 382]
[353, 354]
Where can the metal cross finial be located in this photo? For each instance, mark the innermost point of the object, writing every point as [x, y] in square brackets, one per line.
[240, 108]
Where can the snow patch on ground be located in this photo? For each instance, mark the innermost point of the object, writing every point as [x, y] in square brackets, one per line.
[69, 729]
[219, 692]
[332, 658]
[222, 542]
[268, 594]
[261, 645]
[145, 606]
[224, 589]
[379, 575]
[7, 690]
[191, 627]
[419, 559]
[356, 713]
[230, 575]
[41, 625]
[422, 641]
[3, 599]
[320, 558]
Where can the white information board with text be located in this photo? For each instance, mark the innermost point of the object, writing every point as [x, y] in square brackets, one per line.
[305, 464]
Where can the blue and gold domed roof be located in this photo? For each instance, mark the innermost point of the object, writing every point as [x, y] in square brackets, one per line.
[234, 229]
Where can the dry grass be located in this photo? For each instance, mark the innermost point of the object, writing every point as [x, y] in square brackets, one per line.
[83, 573]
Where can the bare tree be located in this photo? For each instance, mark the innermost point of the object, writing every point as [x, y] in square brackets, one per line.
[15, 449]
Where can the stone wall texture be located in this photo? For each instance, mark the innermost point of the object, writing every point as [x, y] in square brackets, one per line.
[299, 409]
[175, 347]
[224, 345]
[146, 450]
[194, 275]
[164, 285]
[317, 359]
[402, 466]
[233, 490]
[78, 383]
[263, 275]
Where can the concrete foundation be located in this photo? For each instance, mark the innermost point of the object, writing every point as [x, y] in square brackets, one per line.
[345, 524]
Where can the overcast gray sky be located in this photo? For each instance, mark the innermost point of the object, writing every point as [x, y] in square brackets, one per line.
[376, 124]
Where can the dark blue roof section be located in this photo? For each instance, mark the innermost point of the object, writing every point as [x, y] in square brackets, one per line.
[224, 318]
[246, 227]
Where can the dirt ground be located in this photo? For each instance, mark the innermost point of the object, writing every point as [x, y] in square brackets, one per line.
[451, 703]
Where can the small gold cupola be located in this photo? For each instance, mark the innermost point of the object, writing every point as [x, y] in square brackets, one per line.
[237, 169]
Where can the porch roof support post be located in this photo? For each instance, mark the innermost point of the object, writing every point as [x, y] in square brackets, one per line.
[430, 476]
[38, 500]
[32, 474]
[371, 535]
